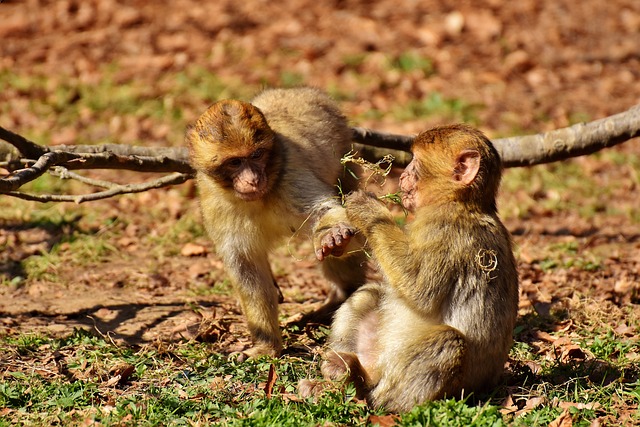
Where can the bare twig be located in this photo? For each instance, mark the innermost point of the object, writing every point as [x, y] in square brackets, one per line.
[22, 176]
[572, 141]
[27, 148]
[106, 156]
[141, 159]
[114, 190]
[64, 173]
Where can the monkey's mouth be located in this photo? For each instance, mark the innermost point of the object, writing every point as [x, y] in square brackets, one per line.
[249, 196]
[408, 199]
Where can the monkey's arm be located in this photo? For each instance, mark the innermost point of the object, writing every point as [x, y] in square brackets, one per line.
[332, 233]
[245, 258]
[413, 269]
[389, 243]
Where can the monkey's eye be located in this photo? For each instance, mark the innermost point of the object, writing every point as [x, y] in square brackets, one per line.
[234, 163]
[256, 155]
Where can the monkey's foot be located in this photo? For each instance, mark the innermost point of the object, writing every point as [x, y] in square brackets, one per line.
[345, 366]
[262, 349]
[335, 240]
[336, 365]
[311, 388]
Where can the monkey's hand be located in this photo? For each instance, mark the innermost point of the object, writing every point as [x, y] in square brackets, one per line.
[333, 240]
[364, 210]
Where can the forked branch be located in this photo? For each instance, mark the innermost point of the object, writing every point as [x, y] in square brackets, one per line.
[32, 160]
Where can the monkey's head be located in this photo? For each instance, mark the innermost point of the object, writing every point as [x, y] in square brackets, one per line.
[454, 163]
[234, 145]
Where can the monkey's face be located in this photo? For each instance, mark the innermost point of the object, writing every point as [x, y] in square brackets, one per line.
[409, 187]
[454, 163]
[248, 175]
[233, 144]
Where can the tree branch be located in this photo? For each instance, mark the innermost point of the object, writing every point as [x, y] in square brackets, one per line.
[64, 173]
[559, 144]
[28, 149]
[572, 141]
[44, 163]
[529, 150]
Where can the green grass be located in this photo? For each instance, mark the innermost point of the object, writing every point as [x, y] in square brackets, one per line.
[453, 412]
[568, 186]
[219, 287]
[434, 107]
[82, 249]
[411, 61]
[601, 373]
[66, 236]
[73, 380]
[434, 104]
[568, 255]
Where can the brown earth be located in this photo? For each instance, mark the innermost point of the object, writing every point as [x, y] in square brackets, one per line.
[528, 65]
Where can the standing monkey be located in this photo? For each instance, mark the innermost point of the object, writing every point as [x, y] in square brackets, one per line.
[267, 170]
[441, 321]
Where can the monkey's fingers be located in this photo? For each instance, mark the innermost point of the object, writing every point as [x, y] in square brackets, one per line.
[334, 241]
[330, 248]
[348, 233]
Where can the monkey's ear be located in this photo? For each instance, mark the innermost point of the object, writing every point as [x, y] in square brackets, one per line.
[466, 167]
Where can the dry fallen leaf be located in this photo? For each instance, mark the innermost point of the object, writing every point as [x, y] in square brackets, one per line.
[271, 380]
[568, 350]
[544, 336]
[383, 420]
[508, 406]
[590, 406]
[192, 249]
[217, 384]
[199, 268]
[291, 397]
[532, 404]
[120, 374]
[564, 420]
[624, 329]
[534, 366]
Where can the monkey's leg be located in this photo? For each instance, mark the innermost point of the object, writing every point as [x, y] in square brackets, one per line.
[352, 316]
[430, 366]
[353, 336]
[353, 333]
[259, 297]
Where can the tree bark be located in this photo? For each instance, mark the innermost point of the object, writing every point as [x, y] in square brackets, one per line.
[529, 150]
[32, 160]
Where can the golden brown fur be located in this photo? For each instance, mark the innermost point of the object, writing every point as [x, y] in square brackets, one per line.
[267, 170]
[440, 324]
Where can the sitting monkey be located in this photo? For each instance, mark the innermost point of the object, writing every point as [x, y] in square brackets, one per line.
[440, 323]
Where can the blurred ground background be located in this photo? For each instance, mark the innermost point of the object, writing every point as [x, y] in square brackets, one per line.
[137, 72]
